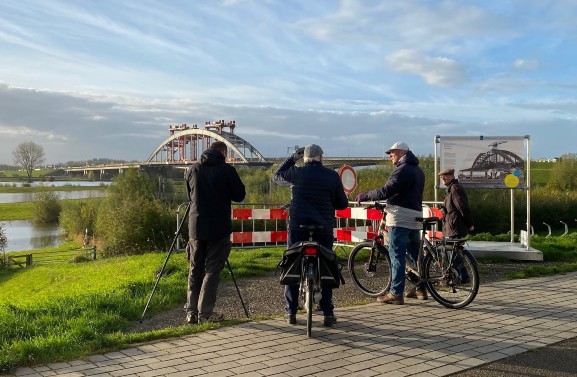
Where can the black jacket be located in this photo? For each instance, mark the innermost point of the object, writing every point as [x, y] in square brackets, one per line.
[212, 184]
[405, 185]
[316, 191]
[457, 219]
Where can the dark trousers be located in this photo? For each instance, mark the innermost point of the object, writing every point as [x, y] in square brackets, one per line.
[207, 259]
[291, 291]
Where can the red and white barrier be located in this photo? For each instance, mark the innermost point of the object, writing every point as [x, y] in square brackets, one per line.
[342, 234]
[259, 237]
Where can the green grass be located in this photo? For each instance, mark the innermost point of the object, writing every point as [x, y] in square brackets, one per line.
[69, 310]
[24, 210]
[16, 211]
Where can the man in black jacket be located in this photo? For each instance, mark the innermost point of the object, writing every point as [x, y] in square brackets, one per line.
[212, 184]
[316, 191]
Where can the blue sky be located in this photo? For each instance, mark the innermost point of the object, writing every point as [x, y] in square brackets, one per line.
[105, 78]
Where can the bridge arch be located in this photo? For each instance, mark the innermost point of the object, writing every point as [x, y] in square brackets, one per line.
[187, 144]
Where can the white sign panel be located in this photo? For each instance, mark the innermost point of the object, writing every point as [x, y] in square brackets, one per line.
[485, 161]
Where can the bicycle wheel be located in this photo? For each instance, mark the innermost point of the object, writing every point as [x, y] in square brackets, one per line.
[371, 275]
[310, 298]
[456, 286]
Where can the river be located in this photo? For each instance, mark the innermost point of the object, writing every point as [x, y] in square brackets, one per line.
[23, 234]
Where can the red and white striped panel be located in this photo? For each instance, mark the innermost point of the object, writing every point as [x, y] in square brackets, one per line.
[358, 213]
[258, 237]
[259, 214]
[359, 233]
[433, 212]
[354, 234]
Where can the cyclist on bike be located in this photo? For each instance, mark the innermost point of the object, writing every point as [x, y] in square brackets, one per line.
[316, 192]
[403, 193]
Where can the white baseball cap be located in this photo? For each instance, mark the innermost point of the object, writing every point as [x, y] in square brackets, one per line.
[399, 145]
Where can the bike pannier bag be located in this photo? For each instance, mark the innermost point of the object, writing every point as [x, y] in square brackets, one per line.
[291, 265]
[330, 268]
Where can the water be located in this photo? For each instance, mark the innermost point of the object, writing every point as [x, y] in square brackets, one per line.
[56, 183]
[18, 197]
[25, 235]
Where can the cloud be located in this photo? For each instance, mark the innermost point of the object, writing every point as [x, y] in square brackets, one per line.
[438, 71]
[526, 64]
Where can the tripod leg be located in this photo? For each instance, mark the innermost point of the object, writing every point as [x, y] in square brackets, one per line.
[166, 261]
[237, 290]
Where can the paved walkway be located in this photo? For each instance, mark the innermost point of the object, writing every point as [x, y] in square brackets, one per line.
[420, 338]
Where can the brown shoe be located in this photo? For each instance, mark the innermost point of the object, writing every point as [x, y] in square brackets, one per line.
[389, 298]
[419, 294]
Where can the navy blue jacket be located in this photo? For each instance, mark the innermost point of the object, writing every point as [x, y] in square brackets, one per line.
[212, 184]
[316, 191]
[405, 185]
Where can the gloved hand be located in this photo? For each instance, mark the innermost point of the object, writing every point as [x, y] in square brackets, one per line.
[362, 197]
[299, 153]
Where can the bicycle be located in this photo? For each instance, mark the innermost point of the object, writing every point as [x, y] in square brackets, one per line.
[446, 268]
[302, 265]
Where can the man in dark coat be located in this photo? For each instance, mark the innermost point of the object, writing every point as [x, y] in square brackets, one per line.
[316, 192]
[403, 192]
[212, 184]
[457, 218]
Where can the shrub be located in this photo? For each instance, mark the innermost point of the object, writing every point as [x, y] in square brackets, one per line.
[131, 220]
[78, 217]
[46, 207]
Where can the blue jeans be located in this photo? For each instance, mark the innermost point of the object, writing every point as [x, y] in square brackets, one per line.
[401, 241]
[291, 291]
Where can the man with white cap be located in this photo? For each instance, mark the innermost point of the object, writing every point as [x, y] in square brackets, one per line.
[403, 193]
[316, 191]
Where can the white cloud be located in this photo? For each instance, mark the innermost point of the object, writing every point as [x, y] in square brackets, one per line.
[438, 71]
[526, 64]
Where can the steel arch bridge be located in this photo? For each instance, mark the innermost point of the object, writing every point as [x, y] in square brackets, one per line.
[497, 158]
[186, 144]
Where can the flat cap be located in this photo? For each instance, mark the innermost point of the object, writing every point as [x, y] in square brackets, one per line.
[313, 150]
[447, 172]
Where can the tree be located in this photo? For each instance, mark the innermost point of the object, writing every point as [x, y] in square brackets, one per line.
[28, 155]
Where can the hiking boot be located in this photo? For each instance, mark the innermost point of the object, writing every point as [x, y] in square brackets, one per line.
[213, 318]
[191, 318]
[329, 320]
[291, 319]
[419, 294]
[389, 298]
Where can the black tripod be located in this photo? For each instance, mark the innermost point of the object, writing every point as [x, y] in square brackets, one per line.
[166, 261]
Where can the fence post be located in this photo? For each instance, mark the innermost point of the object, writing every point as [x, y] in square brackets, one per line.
[566, 228]
[549, 227]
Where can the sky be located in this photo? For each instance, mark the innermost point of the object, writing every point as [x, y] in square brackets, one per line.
[104, 79]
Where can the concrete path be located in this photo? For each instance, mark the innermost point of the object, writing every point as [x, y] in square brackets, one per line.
[420, 338]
